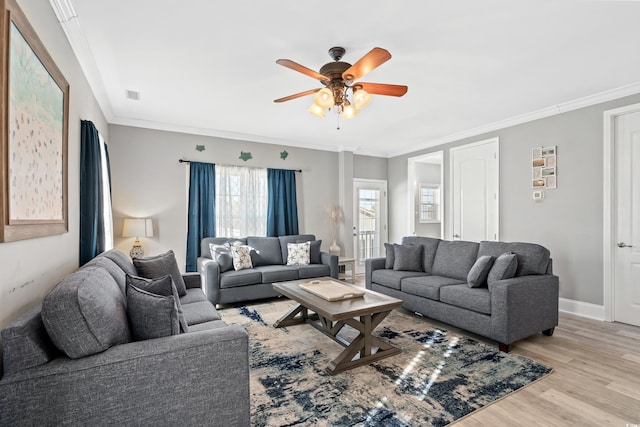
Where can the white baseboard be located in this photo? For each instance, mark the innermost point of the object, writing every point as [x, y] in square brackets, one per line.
[584, 309]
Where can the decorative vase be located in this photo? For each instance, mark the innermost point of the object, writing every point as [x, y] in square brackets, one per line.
[334, 249]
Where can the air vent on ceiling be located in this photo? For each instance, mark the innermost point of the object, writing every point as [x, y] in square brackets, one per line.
[133, 94]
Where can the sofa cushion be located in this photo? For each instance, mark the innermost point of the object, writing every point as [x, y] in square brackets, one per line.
[474, 299]
[292, 239]
[407, 258]
[151, 315]
[314, 250]
[298, 253]
[222, 255]
[232, 279]
[504, 267]
[85, 313]
[26, 344]
[112, 268]
[427, 286]
[429, 248]
[313, 270]
[199, 312]
[162, 286]
[159, 265]
[121, 259]
[392, 278]
[390, 258]
[205, 326]
[532, 258]
[455, 259]
[477, 276]
[193, 295]
[266, 250]
[277, 273]
[241, 255]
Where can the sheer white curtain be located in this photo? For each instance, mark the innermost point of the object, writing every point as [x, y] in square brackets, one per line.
[106, 196]
[241, 201]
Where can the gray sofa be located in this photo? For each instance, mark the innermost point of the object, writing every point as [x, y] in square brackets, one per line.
[499, 308]
[200, 377]
[269, 259]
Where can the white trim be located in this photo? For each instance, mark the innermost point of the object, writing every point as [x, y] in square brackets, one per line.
[586, 101]
[584, 309]
[411, 185]
[609, 213]
[449, 212]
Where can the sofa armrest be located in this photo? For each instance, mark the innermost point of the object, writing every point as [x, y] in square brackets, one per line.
[332, 261]
[210, 271]
[370, 265]
[523, 306]
[192, 280]
[192, 378]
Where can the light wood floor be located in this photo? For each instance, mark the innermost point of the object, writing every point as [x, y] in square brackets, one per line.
[595, 382]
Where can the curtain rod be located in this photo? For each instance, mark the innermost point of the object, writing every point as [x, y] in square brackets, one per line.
[189, 161]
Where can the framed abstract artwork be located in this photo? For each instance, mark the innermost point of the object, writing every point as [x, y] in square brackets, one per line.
[34, 137]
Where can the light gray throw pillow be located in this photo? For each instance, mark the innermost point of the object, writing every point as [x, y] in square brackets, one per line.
[151, 315]
[163, 286]
[407, 258]
[157, 266]
[222, 255]
[504, 267]
[477, 276]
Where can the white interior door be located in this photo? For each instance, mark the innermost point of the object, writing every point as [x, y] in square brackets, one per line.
[370, 225]
[627, 251]
[474, 197]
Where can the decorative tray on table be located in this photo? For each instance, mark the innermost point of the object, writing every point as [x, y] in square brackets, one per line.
[331, 290]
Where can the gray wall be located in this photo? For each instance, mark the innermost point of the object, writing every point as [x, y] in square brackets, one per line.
[569, 222]
[149, 182]
[29, 268]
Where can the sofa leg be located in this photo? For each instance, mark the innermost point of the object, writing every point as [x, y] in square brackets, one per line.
[503, 347]
[548, 332]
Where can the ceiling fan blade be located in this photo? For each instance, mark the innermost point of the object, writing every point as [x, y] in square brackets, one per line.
[376, 57]
[302, 69]
[383, 89]
[297, 95]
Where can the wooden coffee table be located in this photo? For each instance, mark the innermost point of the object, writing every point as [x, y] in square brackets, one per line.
[363, 314]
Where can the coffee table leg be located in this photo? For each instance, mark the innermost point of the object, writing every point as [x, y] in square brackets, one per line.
[292, 318]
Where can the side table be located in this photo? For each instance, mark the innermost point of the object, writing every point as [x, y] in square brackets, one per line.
[351, 262]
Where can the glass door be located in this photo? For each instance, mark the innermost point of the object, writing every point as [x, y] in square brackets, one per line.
[370, 225]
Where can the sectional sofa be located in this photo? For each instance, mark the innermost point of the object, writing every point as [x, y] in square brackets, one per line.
[224, 284]
[75, 359]
[502, 291]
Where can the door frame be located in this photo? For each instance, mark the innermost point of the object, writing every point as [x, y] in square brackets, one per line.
[450, 190]
[609, 206]
[356, 206]
[411, 191]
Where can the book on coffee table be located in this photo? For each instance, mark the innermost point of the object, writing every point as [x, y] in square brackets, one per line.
[331, 290]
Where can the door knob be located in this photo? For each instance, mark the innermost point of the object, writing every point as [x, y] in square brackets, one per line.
[624, 245]
[456, 236]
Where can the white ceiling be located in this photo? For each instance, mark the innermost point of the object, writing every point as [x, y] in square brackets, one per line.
[208, 67]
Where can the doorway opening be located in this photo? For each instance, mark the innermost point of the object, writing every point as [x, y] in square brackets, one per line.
[425, 185]
[370, 220]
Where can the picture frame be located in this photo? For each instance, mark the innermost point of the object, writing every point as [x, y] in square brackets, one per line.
[549, 151]
[33, 135]
[550, 181]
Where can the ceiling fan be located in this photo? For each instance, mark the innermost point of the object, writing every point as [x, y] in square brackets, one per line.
[340, 91]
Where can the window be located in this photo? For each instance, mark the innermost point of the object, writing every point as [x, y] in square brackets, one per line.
[106, 196]
[429, 203]
[241, 201]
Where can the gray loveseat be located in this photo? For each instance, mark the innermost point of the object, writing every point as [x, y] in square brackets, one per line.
[200, 377]
[224, 285]
[499, 308]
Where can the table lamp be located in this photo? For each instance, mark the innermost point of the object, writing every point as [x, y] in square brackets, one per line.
[137, 227]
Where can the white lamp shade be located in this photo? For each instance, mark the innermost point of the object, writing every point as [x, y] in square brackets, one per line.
[361, 98]
[349, 112]
[137, 227]
[324, 98]
[316, 110]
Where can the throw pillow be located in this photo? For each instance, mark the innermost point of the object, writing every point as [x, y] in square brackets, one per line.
[388, 263]
[163, 286]
[298, 253]
[150, 315]
[241, 255]
[314, 250]
[477, 276]
[157, 266]
[222, 255]
[504, 267]
[407, 258]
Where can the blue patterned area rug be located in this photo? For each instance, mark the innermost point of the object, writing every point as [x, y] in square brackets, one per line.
[438, 378]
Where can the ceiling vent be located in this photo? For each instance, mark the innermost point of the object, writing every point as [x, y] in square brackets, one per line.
[133, 94]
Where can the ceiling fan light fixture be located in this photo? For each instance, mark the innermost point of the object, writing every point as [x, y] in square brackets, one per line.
[361, 98]
[316, 110]
[324, 98]
[348, 111]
